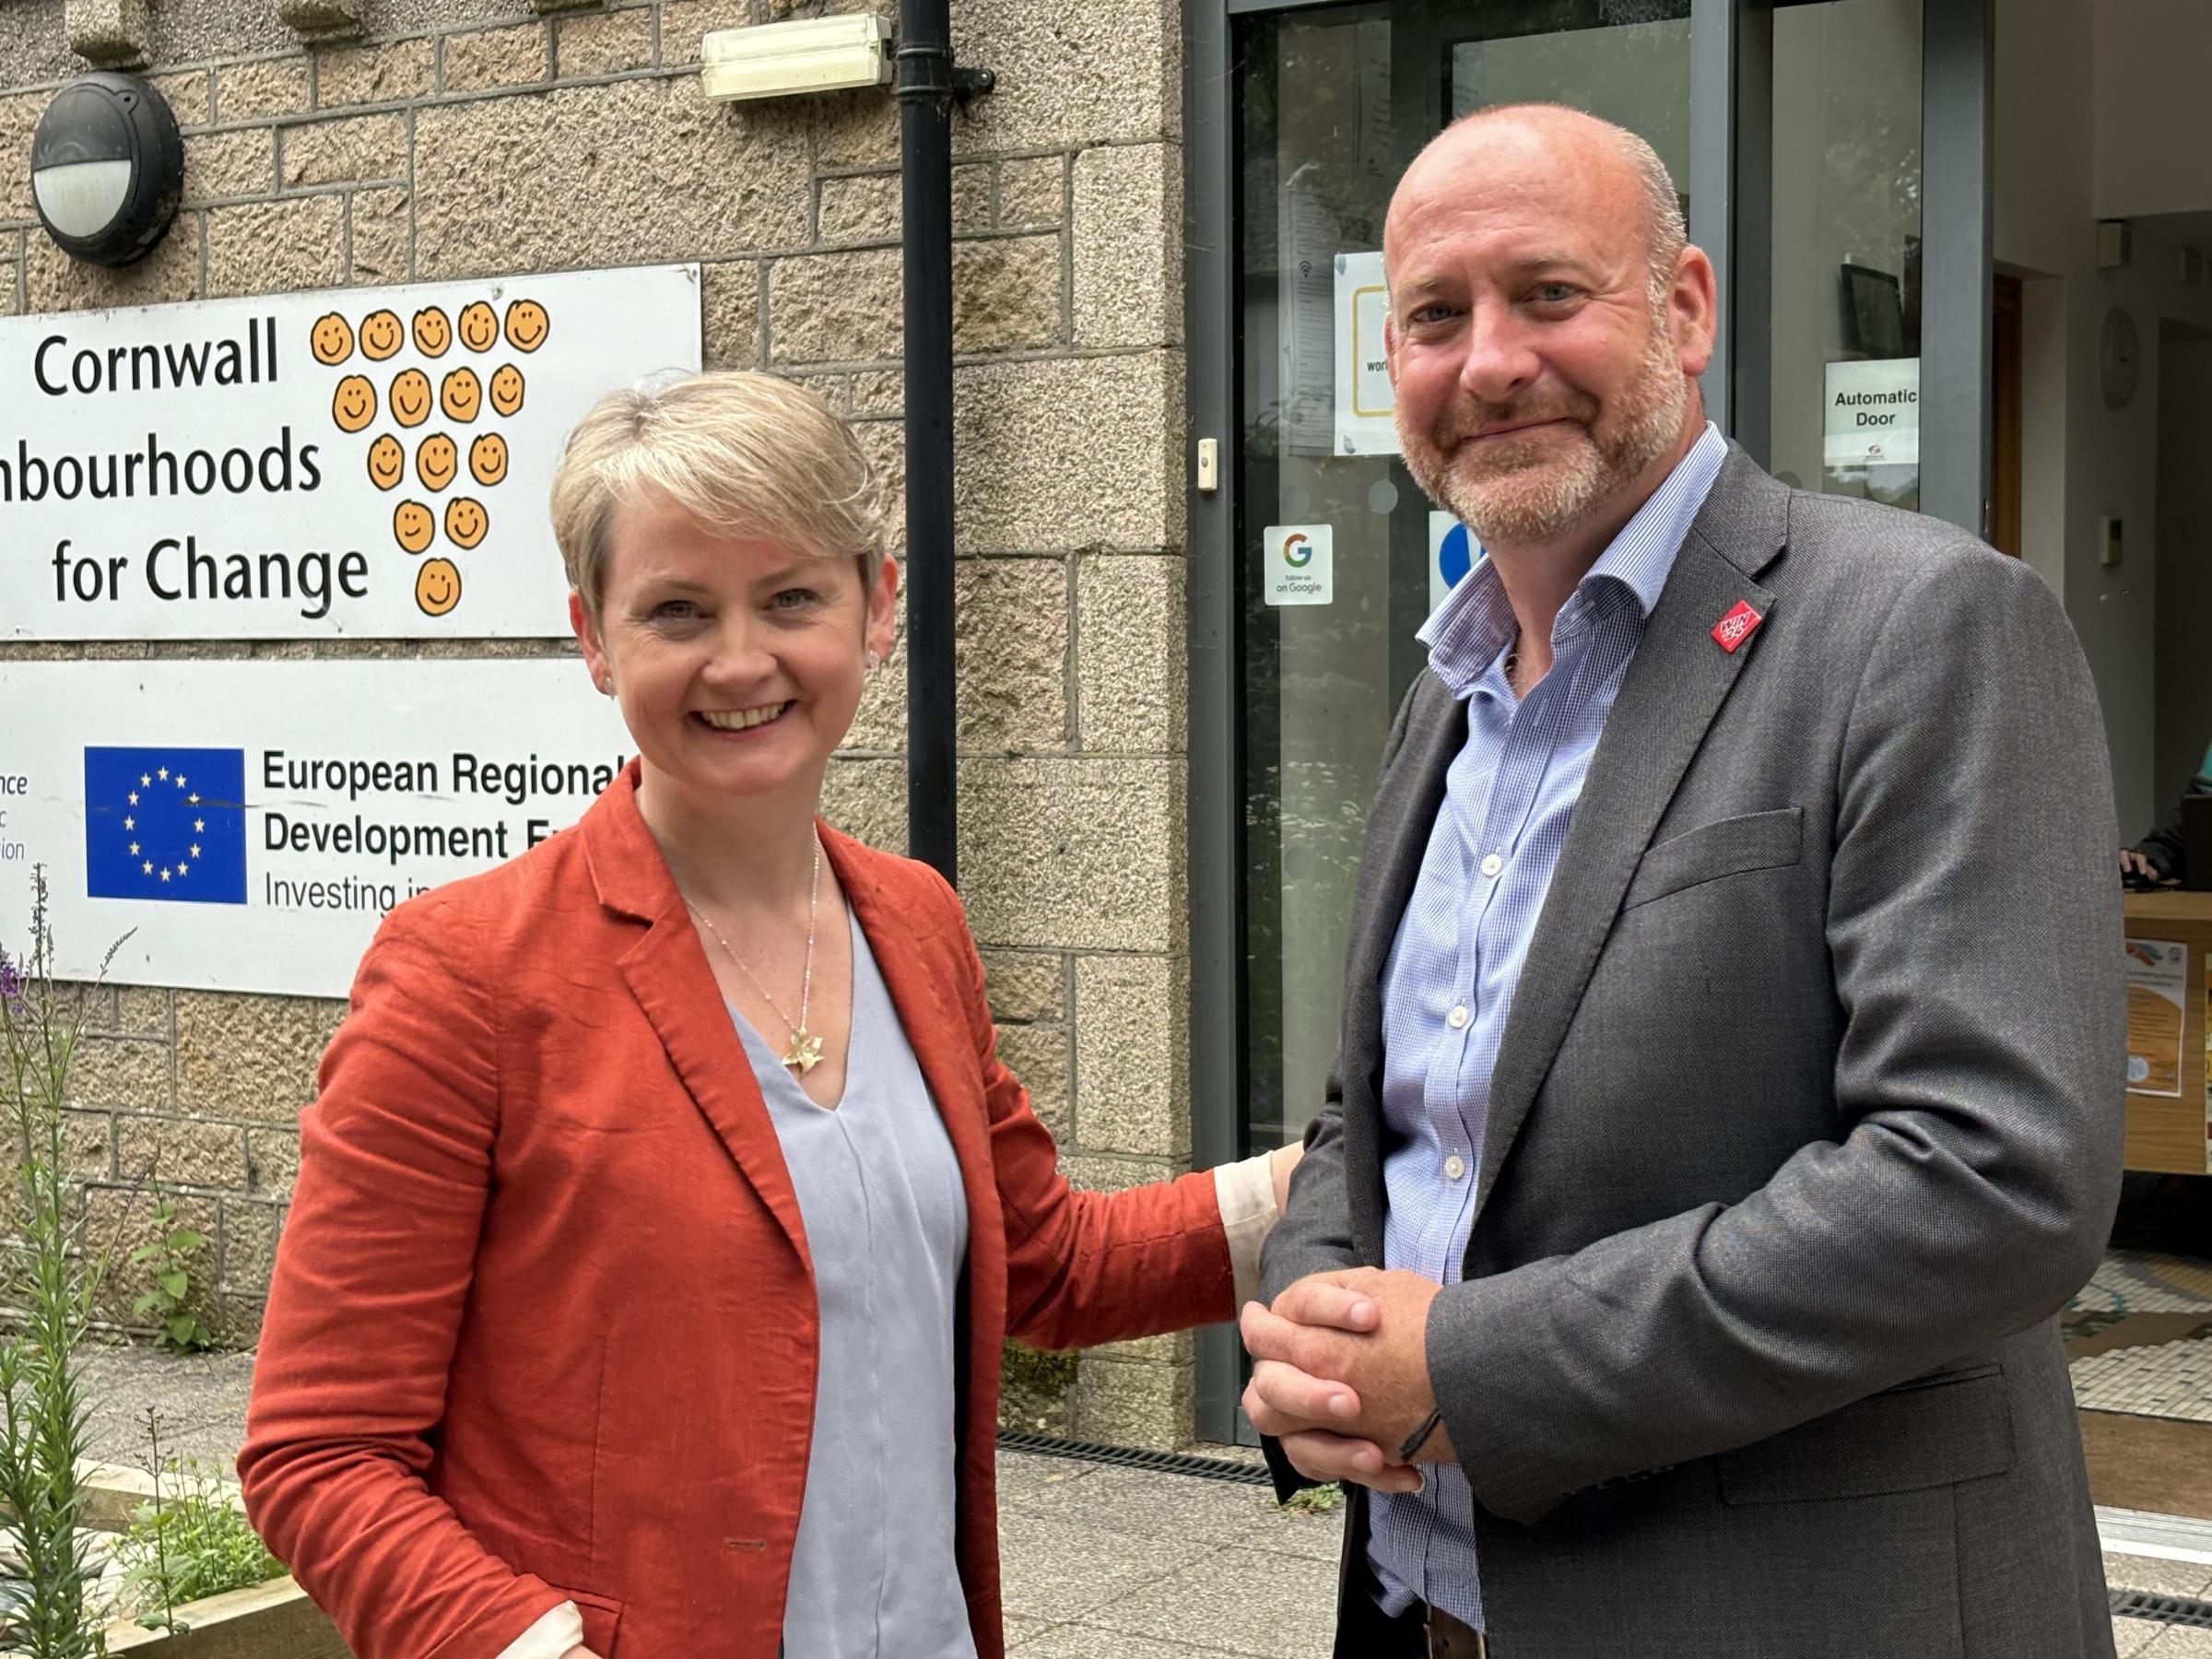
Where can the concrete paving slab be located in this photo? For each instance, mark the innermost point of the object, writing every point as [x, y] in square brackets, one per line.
[1060, 1569]
[1238, 1601]
[2179, 1641]
[1089, 1641]
[2156, 1576]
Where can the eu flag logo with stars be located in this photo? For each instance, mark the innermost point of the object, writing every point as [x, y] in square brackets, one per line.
[165, 823]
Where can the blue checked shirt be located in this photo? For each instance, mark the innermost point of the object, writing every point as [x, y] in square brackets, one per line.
[1448, 987]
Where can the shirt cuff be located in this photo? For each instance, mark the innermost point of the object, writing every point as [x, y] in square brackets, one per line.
[1246, 1193]
[553, 1635]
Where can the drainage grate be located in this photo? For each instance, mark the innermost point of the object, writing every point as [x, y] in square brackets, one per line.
[1129, 1457]
[2165, 1609]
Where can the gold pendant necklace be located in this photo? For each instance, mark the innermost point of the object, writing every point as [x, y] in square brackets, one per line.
[805, 1051]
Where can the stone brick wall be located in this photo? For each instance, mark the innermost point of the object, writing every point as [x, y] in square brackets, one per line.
[458, 139]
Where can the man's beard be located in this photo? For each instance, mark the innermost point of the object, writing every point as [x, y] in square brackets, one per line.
[1519, 490]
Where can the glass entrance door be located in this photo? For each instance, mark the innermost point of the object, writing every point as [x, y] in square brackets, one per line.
[1340, 555]
[1833, 163]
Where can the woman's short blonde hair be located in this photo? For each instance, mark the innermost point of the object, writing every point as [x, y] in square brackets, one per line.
[746, 455]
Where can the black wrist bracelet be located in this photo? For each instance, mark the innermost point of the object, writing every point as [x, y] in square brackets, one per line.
[1413, 1440]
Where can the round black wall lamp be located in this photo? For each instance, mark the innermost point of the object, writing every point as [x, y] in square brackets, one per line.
[107, 169]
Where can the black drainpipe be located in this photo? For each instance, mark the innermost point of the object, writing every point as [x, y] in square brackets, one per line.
[927, 86]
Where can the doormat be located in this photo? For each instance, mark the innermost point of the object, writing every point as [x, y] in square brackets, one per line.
[2138, 1338]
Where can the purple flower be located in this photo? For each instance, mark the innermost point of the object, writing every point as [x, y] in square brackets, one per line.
[11, 985]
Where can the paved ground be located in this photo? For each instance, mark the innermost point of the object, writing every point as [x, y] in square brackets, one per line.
[1101, 1563]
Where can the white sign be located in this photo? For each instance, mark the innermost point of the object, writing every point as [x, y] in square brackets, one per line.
[1313, 229]
[366, 462]
[1298, 564]
[248, 823]
[1873, 414]
[1453, 551]
[1365, 403]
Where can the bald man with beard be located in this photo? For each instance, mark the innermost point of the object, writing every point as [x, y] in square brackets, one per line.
[1729, 1093]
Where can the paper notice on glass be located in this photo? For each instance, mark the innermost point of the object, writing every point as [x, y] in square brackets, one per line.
[2158, 982]
[1312, 234]
[1364, 401]
[1873, 414]
[1373, 50]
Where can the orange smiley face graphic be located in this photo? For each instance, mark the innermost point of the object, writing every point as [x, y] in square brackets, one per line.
[437, 587]
[330, 338]
[462, 395]
[353, 406]
[414, 525]
[387, 462]
[433, 333]
[488, 458]
[506, 388]
[478, 325]
[411, 398]
[382, 335]
[437, 461]
[527, 325]
[466, 522]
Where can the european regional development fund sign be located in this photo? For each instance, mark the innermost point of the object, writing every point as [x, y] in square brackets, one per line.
[362, 462]
[247, 829]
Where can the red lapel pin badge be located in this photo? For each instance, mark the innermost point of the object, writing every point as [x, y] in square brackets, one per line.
[1736, 626]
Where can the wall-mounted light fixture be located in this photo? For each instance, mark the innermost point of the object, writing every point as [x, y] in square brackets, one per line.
[107, 169]
[816, 54]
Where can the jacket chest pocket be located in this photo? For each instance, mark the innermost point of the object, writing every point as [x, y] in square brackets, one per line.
[1757, 840]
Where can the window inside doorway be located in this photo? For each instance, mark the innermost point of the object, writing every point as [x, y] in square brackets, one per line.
[1847, 248]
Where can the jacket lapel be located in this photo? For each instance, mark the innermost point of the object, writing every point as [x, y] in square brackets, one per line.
[668, 974]
[1675, 686]
[1410, 795]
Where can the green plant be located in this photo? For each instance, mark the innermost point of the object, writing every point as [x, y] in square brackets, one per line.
[49, 1280]
[192, 1544]
[1033, 1384]
[1311, 1501]
[177, 1323]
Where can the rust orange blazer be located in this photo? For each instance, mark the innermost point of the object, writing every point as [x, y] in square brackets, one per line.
[543, 1326]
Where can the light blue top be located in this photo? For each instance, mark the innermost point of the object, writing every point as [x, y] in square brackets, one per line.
[872, 1575]
[1448, 986]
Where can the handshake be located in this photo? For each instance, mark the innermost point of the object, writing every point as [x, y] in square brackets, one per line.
[1340, 1375]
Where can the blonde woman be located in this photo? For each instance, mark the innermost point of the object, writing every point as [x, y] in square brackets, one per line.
[666, 1203]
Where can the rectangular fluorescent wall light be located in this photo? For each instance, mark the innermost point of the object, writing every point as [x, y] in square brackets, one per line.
[816, 54]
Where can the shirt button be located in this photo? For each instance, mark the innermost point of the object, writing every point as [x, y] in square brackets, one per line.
[1454, 1167]
[1457, 1019]
[1492, 865]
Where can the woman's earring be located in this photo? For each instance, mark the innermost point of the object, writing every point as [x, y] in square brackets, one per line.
[606, 686]
[874, 661]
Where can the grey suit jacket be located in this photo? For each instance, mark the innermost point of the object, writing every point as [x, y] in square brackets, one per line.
[1806, 1122]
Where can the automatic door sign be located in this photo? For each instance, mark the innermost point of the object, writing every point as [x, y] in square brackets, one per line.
[1873, 414]
[364, 462]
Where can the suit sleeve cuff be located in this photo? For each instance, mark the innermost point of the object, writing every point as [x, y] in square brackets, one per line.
[1246, 1193]
[552, 1636]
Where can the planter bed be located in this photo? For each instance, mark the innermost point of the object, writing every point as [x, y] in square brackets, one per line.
[271, 1620]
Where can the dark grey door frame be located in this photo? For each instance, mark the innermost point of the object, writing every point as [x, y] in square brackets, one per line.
[1730, 213]
[1958, 68]
[1216, 768]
